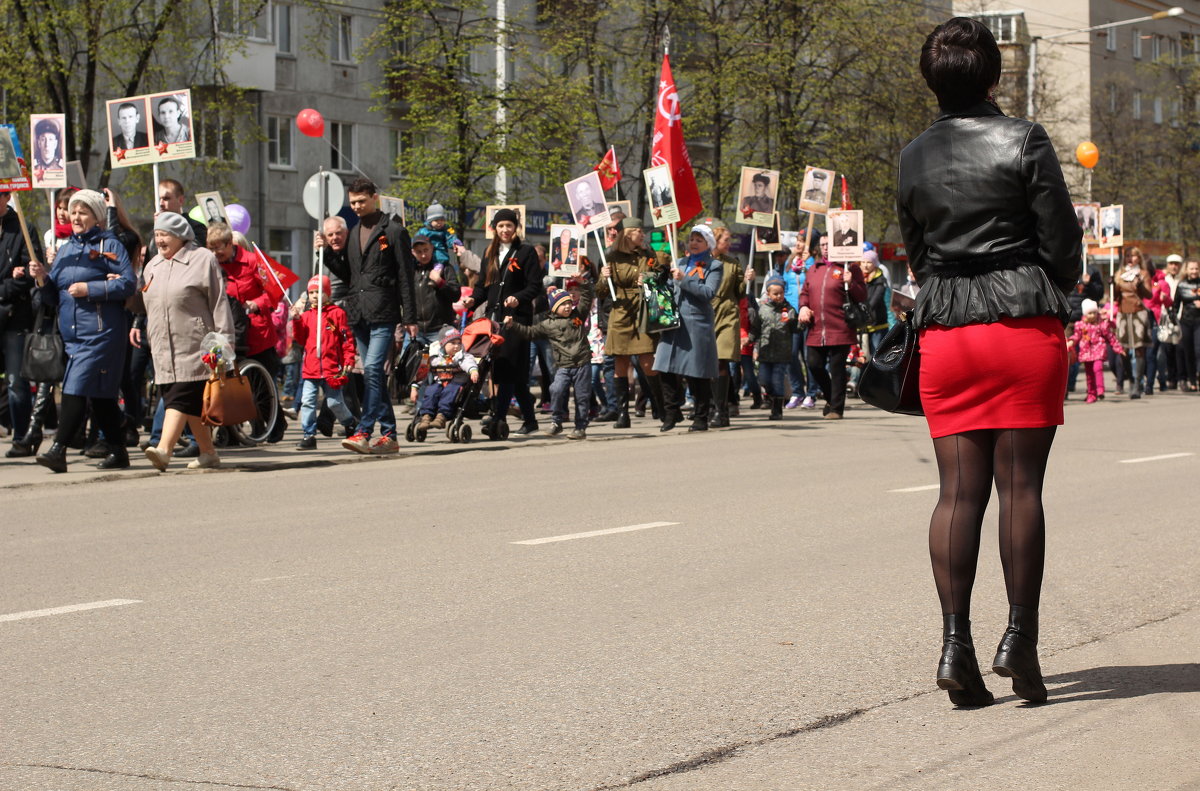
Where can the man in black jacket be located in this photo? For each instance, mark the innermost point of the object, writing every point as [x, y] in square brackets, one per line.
[378, 265]
[16, 317]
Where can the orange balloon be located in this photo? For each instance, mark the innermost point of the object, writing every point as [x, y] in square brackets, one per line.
[1087, 154]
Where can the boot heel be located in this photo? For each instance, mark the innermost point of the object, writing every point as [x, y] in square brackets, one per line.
[1016, 656]
[958, 670]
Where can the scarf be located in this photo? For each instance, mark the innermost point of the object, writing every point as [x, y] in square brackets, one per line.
[694, 260]
[62, 230]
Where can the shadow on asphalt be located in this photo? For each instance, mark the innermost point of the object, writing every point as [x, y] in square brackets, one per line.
[1119, 682]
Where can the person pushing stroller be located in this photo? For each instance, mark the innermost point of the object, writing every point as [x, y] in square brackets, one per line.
[450, 368]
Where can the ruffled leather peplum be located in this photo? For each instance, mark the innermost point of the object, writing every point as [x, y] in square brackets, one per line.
[954, 300]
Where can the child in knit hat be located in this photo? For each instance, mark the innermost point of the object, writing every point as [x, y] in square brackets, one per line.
[1090, 340]
[441, 237]
[329, 373]
[566, 327]
[451, 367]
[771, 328]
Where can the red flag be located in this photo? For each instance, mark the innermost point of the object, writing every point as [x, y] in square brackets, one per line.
[669, 149]
[609, 169]
[846, 204]
[275, 277]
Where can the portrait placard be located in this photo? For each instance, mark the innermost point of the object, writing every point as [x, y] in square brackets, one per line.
[1088, 215]
[756, 197]
[845, 229]
[623, 206]
[14, 172]
[392, 207]
[1112, 226]
[816, 190]
[46, 133]
[586, 199]
[173, 133]
[127, 132]
[767, 238]
[212, 208]
[568, 243]
[661, 189]
[490, 211]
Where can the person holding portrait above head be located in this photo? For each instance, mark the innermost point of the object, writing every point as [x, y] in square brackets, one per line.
[818, 187]
[994, 266]
[170, 126]
[563, 251]
[760, 201]
[47, 145]
[822, 311]
[690, 351]
[128, 136]
[89, 283]
[844, 234]
[1131, 285]
[17, 316]
[587, 205]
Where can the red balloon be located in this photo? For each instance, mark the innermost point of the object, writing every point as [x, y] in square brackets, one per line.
[310, 123]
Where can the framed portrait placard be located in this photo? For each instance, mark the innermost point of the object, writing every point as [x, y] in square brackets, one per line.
[1088, 215]
[152, 128]
[586, 199]
[490, 211]
[14, 174]
[845, 230]
[393, 207]
[816, 189]
[756, 197]
[47, 135]
[661, 189]
[623, 206]
[1112, 226]
[173, 136]
[568, 243]
[212, 207]
[767, 238]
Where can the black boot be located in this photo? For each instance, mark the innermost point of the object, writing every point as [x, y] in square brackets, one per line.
[671, 390]
[776, 408]
[117, 458]
[958, 670]
[720, 403]
[639, 403]
[656, 397]
[621, 386]
[55, 458]
[703, 400]
[28, 445]
[1016, 656]
[757, 402]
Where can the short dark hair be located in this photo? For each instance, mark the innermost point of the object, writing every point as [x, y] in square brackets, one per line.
[362, 187]
[175, 186]
[960, 62]
[170, 99]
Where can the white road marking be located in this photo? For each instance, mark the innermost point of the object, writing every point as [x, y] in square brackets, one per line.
[1156, 458]
[92, 605]
[917, 488]
[590, 533]
[272, 579]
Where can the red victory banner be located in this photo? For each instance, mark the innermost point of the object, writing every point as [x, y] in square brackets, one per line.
[846, 204]
[274, 276]
[609, 169]
[669, 148]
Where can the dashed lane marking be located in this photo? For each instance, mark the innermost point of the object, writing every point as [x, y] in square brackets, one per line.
[92, 605]
[592, 533]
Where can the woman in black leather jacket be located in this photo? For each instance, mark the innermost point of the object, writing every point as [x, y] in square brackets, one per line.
[995, 246]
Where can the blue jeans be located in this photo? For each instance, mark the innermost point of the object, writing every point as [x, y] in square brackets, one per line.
[560, 391]
[796, 374]
[596, 383]
[438, 398]
[291, 380]
[750, 378]
[772, 377]
[20, 400]
[308, 405]
[374, 345]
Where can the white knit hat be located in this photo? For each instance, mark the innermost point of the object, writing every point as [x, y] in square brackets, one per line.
[94, 202]
[1088, 305]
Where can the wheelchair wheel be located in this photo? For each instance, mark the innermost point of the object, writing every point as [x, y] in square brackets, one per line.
[266, 398]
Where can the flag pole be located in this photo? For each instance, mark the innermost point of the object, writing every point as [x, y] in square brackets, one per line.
[278, 282]
[617, 183]
[612, 292]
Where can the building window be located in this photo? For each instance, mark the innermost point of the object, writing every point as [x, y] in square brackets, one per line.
[214, 138]
[243, 18]
[1003, 27]
[395, 146]
[279, 141]
[281, 245]
[1158, 110]
[1110, 40]
[283, 29]
[343, 41]
[342, 138]
[1137, 43]
[1176, 110]
[1137, 105]
[1112, 98]
[1155, 47]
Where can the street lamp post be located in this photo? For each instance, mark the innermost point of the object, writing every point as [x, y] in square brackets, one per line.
[1031, 70]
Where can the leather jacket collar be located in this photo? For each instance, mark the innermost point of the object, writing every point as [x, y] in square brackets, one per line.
[980, 108]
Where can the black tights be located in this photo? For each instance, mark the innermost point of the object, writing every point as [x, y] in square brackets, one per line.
[105, 414]
[967, 464]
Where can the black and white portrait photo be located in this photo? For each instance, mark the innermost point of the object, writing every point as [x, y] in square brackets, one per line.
[661, 189]
[212, 207]
[172, 120]
[756, 196]
[128, 126]
[845, 230]
[1088, 216]
[1112, 226]
[586, 198]
[10, 167]
[816, 190]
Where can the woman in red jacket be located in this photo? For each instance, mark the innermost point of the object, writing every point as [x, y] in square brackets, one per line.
[829, 336]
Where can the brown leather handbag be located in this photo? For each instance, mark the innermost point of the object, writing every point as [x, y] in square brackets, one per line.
[228, 401]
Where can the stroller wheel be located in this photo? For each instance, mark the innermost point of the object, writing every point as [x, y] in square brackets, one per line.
[410, 433]
[421, 434]
[502, 430]
[464, 434]
[452, 432]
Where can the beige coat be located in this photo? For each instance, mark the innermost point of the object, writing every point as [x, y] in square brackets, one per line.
[185, 300]
[727, 324]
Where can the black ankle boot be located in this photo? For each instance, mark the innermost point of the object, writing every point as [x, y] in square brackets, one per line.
[656, 397]
[1016, 656]
[55, 458]
[958, 670]
[117, 458]
[719, 408]
[776, 408]
[621, 386]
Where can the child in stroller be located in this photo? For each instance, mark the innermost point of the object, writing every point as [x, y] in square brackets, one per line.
[450, 367]
[448, 387]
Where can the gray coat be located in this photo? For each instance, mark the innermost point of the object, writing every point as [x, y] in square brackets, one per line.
[691, 350]
[185, 300]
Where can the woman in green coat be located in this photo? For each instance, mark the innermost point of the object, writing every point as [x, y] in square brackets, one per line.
[727, 324]
[629, 263]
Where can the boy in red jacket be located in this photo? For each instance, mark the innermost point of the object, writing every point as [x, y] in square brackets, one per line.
[330, 373]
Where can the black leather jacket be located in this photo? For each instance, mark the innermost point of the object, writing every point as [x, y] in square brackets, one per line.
[987, 220]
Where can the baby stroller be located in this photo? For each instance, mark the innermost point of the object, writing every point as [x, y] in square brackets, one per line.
[478, 339]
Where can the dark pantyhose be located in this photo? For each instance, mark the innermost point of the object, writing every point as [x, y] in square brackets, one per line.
[967, 464]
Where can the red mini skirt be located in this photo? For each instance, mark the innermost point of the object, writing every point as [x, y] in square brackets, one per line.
[1008, 374]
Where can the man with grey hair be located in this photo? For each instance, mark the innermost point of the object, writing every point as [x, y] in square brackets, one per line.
[336, 233]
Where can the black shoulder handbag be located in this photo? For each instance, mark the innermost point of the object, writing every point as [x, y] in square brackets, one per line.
[858, 315]
[891, 381]
[45, 355]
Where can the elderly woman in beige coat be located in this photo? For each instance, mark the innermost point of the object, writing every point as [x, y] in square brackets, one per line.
[184, 292]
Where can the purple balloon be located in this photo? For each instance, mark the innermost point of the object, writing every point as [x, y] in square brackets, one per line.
[239, 218]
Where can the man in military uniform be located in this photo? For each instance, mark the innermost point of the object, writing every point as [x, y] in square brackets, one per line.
[760, 201]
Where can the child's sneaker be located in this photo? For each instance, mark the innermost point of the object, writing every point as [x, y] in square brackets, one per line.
[578, 434]
[1091, 399]
[359, 443]
[308, 442]
[554, 430]
[808, 403]
[385, 444]
[793, 402]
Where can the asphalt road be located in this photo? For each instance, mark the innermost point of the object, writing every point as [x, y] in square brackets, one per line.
[381, 626]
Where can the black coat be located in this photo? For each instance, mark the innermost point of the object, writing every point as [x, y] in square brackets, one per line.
[435, 303]
[519, 275]
[16, 308]
[987, 220]
[380, 275]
